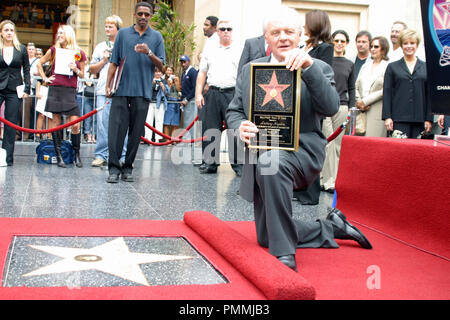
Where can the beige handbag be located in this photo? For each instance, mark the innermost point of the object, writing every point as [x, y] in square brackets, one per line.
[361, 124]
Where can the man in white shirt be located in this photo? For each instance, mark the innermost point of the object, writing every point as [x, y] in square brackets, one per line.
[210, 31]
[219, 65]
[397, 52]
[99, 65]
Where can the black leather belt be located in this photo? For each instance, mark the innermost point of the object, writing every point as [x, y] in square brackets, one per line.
[222, 89]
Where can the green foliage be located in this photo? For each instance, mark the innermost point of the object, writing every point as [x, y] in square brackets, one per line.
[178, 37]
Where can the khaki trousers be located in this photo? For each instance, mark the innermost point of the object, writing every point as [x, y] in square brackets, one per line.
[333, 149]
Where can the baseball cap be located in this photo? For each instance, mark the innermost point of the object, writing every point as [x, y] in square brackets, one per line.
[184, 58]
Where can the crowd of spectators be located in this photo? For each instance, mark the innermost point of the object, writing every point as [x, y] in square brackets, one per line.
[31, 15]
[386, 82]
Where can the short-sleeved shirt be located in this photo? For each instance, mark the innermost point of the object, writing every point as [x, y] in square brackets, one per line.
[63, 80]
[138, 71]
[221, 64]
[97, 56]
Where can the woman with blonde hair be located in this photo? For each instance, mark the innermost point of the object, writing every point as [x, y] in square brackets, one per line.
[13, 58]
[405, 100]
[62, 93]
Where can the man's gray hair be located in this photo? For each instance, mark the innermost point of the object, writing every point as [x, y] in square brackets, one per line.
[284, 14]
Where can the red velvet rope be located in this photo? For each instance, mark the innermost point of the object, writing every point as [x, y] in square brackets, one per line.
[14, 126]
[171, 139]
[338, 131]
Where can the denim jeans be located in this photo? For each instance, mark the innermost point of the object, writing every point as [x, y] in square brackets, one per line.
[190, 112]
[101, 148]
[86, 106]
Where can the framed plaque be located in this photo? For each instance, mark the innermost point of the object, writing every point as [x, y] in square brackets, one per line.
[275, 106]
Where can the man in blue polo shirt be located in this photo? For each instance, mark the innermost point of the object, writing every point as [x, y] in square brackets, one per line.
[143, 49]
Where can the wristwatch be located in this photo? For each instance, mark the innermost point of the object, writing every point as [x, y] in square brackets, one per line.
[150, 53]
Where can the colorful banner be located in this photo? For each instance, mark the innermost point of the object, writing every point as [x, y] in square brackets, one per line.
[436, 28]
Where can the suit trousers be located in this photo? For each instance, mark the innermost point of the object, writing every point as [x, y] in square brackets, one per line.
[411, 129]
[212, 116]
[12, 114]
[275, 227]
[333, 149]
[126, 114]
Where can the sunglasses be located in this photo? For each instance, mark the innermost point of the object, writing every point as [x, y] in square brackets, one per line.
[146, 14]
[226, 29]
[376, 47]
[339, 41]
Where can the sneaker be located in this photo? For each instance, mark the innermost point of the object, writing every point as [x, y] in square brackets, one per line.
[98, 162]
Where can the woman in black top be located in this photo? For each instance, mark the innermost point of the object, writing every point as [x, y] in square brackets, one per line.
[318, 45]
[405, 97]
[318, 29]
[344, 76]
[13, 58]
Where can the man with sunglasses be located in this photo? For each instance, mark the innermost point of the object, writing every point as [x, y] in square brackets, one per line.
[141, 49]
[219, 67]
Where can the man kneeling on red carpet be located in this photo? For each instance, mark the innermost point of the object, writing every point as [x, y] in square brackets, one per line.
[271, 191]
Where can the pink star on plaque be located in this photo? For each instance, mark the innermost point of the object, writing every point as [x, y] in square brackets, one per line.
[273, 90]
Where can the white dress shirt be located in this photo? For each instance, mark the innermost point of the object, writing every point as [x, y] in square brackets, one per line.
[221, 65]
[8, 54]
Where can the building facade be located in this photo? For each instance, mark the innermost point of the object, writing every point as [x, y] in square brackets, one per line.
[247, 16]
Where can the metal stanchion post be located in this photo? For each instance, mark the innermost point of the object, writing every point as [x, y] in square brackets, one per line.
[94, 84]
[353, 114]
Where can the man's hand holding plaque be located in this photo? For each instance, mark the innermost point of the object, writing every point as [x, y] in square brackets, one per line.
[247, 131]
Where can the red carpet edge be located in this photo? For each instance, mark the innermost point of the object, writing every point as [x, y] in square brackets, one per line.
[276, 281]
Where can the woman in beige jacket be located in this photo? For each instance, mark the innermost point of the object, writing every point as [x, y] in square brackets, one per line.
[369, 87]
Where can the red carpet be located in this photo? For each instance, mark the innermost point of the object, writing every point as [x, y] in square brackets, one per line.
[238, 288]
[253, 274]
[399, 187]
[335, 274]
[275, 280]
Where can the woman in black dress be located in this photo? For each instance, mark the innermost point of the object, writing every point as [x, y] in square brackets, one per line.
[319, 46]
[318, 29]
[13, 58]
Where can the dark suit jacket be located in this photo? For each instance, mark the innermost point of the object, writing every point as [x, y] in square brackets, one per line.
[10, 76]
[254, 48]
[319, 99]
[324, 52]
[405, 95]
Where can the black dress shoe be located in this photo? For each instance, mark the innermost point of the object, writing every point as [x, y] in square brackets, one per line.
[128, 177]
[345, 230]
[207, 169]
[113, 178]
[289, 261]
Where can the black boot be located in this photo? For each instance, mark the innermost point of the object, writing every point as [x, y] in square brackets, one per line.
[76, 140]
[57, 143]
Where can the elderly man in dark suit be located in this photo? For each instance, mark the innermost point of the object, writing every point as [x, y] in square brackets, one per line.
[271, 190]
